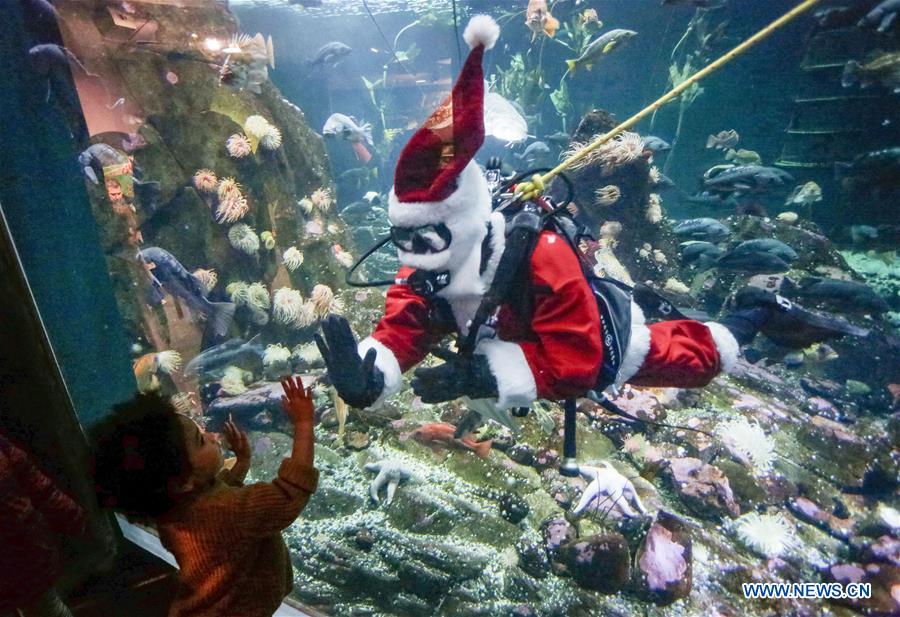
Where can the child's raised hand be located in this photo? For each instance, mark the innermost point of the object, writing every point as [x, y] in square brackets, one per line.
[297, 401]
[237, 440]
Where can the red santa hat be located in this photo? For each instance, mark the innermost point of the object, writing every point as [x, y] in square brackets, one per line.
[429, 168]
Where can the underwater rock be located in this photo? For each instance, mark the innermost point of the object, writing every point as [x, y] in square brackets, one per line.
[600, 563]
[246, 407]
[664, 561]
[703, 488]
[522, 453]
[533, 558]
[546, 458]
[364, 539]
[885, 549]
[556, 532]
[513, 508]
[809, 511]
[883, 579]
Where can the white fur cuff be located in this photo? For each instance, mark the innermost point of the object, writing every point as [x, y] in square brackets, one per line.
[726, 345]
[638, 347]
[386, 362]
[515, 383]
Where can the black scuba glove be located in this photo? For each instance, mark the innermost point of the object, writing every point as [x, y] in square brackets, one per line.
[357, 380]
[457, 376]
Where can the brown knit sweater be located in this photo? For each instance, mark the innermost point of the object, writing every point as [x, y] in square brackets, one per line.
[233, 561]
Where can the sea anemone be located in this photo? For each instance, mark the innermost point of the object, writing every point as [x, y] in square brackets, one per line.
[207, 278]
[314, 227]
[257, 126]
[268, 240]
[659, 257]
[654, 209]
[183, 402]
[747, 440]
[168, 361]
[307, 315]
[306, 205]
[243, 238]
[287, 304]
[233, 380]
[628, 147]
[610, 230]
[594, 156]
[609, 265]
[271, 140]
[258, 296]
[238, 146]
[292, 258]
[607, 195]
[321, 199]
[343, 257]
[788, 218]
[322, 299]
[675, 286]
[238, 291]
[655, 175]
[308, 353]
[767, 534]
[232, 209]
[228, 187]
[205, 180]
[276, 354]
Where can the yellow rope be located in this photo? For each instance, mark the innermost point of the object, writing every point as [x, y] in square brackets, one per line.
[530, 190]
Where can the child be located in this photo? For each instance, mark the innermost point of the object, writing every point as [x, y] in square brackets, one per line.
[154, 464]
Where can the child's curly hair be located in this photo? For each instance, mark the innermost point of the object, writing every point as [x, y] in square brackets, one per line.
[138, 450]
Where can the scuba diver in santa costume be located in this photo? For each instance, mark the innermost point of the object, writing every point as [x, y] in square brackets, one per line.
[547, 340]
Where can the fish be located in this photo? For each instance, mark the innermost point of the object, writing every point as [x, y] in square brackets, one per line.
[701, 253]
[225, 354]
[539, 20]
[766, 245]
[712, 200]
[806, 194]
[884, 15]
[878, 168]
[168, 274]
[147, 366]
[703, 228]
[860, 234]
[503, 121]
[355, 175]
[590, 19]
[346, 127]
[559, 138]
[752, 262]
[743, 157]
[534, 152]
[723, 140]
[363, 213]
[599, 47]
[747, 179]
[846, 296]
[442, 433]
[330, 54]
[819, 352]
[53, 63]
[882, 68]
[655, 144]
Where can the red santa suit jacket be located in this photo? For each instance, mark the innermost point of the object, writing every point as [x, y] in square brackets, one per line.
[556, 351]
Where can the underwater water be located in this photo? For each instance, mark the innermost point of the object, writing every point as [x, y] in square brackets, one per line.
[219, 167]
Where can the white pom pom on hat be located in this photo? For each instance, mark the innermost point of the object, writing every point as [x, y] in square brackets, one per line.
[482, 30]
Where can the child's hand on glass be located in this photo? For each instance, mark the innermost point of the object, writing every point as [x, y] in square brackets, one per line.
[297, 401]
[236, 440]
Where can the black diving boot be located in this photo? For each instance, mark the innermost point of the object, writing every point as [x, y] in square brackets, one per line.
[785, 322]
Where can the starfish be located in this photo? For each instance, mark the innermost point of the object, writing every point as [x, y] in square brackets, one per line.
[608, 485]
[390, 473]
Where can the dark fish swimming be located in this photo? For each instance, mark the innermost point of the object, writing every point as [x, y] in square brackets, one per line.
[878, 169]
[223, 355]
[534, 152]
[711, 200]
[846, 296]
[167, 273]
[655, 144]
[747, 179]
[766, 245]
[700, 253]
[707, 229]
[884, 15]
[330, 54]
[752, 262]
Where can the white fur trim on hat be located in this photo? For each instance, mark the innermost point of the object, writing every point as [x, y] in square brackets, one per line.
[482, 30]
[638, 347]
[726, 345]
[386, 362]
[515, 382]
